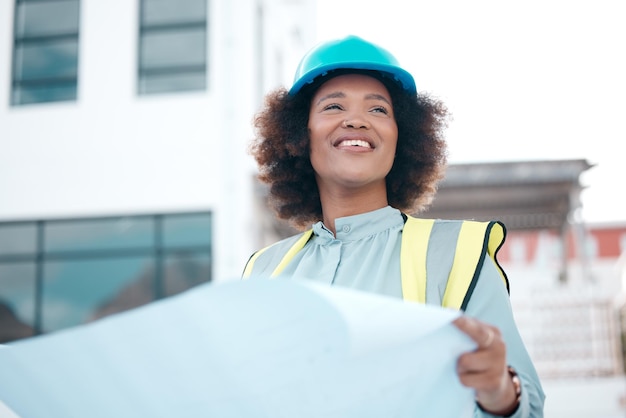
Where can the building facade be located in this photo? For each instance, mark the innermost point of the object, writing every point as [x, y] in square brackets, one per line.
[124, 126]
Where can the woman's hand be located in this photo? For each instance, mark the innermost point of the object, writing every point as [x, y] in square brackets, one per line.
[485, 369]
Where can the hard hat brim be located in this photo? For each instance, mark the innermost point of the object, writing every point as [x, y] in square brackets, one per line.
[402, 77]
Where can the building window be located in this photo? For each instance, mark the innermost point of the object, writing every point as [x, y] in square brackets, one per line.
[45, 51]
[172, 46]
[61, 273]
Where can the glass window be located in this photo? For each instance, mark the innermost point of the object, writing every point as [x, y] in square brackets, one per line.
[99, 234]
[86, 269]
[45, 51]
[50, 59]
[46, 18]
[17, 300]
[18, 238]
[186, 230]
[173, 45]
[181, 48]
[79, 291]
[59, 92]
[157, 12]
[182, 81]
[184, 270]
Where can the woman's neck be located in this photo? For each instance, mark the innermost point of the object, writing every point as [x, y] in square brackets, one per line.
[339, 205]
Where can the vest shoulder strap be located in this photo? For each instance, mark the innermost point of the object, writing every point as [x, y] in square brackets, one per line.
[474, 241]
[413, 251]
[299, 243]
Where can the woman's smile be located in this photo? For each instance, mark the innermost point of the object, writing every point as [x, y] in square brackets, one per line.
[352, 141]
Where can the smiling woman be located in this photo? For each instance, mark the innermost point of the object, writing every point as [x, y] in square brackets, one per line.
[353, 149]
[282, 148]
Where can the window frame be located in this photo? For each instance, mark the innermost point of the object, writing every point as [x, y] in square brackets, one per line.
[150, 73]
[19, 84]
[159, 250]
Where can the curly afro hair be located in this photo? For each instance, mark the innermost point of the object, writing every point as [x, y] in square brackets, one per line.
[281, 150]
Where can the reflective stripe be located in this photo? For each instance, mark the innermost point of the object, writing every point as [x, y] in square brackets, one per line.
[475, 241]
[494, 239]
[250, 264]
[413, 251]
[466, 258]
[292, 252]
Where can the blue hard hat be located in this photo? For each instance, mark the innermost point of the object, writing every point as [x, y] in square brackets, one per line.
[349, 53]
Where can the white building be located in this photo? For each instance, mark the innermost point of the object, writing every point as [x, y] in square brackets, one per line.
[117, 115]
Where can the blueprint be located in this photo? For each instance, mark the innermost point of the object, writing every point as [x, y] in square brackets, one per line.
[253, 348]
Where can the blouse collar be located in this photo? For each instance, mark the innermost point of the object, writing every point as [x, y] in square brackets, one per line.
[356, 227]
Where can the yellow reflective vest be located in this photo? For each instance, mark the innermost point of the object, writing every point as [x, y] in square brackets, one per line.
[422, 267]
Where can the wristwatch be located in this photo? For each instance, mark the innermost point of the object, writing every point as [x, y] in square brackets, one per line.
[517, 384]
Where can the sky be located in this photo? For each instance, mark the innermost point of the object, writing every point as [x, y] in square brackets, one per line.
[523, 80]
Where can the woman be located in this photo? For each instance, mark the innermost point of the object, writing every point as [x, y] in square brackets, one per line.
[352, 148]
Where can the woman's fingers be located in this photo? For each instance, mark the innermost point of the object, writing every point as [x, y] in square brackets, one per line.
[480, 332]
[483, 368]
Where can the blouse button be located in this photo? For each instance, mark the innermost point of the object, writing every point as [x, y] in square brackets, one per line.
[346, 228]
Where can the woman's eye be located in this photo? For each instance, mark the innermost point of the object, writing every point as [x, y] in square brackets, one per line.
[380, 109]
[333, 106]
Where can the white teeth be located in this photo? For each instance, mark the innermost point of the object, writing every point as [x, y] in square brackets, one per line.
[356, 143]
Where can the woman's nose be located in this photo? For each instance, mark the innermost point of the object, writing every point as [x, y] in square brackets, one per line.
[356, 123]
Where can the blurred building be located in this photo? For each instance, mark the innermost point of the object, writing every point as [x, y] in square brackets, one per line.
[124, 126]
[565, 274]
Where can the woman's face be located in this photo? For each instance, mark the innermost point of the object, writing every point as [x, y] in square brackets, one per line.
[353, 132]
